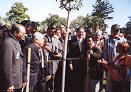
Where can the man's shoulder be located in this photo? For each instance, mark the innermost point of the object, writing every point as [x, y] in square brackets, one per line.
[9, 40]
[31, 45]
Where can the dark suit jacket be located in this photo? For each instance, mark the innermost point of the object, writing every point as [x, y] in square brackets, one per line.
[95, 68]
[35, 60]
[74, 50]
[76, 78]
[11, 64]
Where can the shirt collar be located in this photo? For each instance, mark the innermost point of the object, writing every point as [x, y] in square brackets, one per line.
[14, 37]
[79, 39]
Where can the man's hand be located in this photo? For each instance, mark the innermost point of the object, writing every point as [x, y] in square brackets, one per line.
[48, 77]
[102, 61]
[57, 55]
[47, 48]
[10, 89]
[24, 84]
[90, 52]
[71, 66]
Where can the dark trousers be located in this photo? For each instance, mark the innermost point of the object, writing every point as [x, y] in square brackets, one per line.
[17, 90]
[41, 84]
[33, 81]
[120, 86]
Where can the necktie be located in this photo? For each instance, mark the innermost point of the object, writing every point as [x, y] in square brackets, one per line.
[45, 57]
[80, 44]
[41, 57]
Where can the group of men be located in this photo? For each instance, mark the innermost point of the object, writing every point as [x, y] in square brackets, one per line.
[46, 57]
[14, 57]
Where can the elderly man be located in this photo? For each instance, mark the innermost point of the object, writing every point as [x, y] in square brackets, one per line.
[11, 60]
[36, 59]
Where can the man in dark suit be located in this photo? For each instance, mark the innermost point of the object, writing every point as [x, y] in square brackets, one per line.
[76, 48]
[36, 59]
[95, 69]
[11, 62]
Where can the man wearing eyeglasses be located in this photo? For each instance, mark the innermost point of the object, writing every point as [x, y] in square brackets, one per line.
[109, 51]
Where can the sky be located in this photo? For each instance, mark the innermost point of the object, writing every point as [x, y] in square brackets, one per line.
[39, 10]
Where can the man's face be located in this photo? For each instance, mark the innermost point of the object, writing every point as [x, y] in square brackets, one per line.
[89, 42]
[34, 27]
[39, 41]
[97, 37]
[58, 33]
[80, 33]
[51, 32]
[28, 28]
[21, 35]
[115, 33]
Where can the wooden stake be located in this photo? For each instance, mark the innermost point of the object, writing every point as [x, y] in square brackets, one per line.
[28, 70]
[87, 73]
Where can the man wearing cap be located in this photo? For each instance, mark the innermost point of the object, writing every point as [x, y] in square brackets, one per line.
[109, 51]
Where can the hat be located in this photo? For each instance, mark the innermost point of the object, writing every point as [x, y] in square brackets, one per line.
[115, 27]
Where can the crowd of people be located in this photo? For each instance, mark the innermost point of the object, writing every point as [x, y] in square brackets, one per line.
[109, 57]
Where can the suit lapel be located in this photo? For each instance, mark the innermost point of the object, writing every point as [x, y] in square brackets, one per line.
[17, 46]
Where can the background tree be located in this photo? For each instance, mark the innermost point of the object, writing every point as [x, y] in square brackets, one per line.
[66, 4]
[77, 22]
[17, 13]
[70, 5]
[0, 17]
[52, 18]
[128, 26]
[56, 19]
[102, 9]
[87, 22]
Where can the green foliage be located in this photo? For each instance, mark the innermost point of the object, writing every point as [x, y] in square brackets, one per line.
[77, 22]
[86, 22]
[17, 13]
[56, 19]
[76, 4]
[102, 9]
[52, 19]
